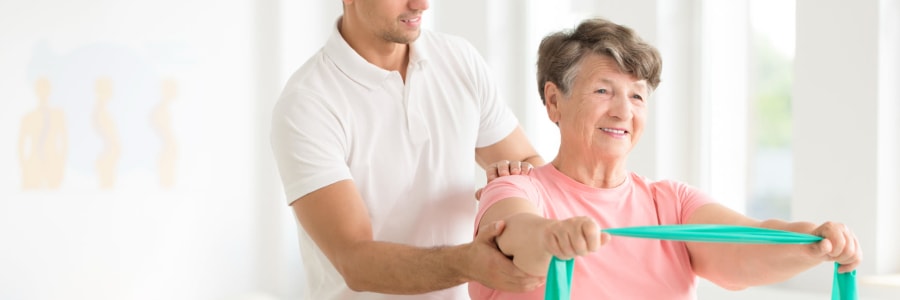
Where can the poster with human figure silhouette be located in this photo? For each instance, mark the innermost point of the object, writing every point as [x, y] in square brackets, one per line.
[161, 120]
[121, 125]
[43, 142]
[102, 119]
[105, 126]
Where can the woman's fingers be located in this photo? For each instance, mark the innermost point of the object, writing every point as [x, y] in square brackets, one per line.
[839, 244]
[572, 237]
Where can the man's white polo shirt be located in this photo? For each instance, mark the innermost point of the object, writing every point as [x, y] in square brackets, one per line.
[409, 148]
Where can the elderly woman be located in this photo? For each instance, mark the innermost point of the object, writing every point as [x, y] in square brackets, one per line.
[596, 82]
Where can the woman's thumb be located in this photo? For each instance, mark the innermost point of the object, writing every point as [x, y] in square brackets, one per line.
[821, 248]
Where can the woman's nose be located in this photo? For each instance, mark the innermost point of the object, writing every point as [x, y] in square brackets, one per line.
[620, 107]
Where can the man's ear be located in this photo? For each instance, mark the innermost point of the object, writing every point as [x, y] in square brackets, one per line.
[552, 96]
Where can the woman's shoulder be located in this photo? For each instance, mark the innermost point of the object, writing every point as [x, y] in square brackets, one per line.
[530, 185]
[660, 185]
[519, 181]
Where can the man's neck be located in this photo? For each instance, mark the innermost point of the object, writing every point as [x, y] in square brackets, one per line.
[384, 54]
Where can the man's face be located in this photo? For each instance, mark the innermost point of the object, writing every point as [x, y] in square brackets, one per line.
[395, 21]
[605, 111]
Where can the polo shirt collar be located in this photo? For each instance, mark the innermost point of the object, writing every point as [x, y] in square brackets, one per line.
[358, 68]
[418, 52]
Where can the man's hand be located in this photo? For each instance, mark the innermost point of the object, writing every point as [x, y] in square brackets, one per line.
[839, 244]
[493, 269]
[505, 168]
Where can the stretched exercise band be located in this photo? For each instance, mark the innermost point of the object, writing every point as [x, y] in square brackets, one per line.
[559, 276]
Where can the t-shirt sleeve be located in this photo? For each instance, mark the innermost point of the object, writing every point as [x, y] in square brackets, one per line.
[496, 120]
[309, 144]
[689, 198]
[518, 186]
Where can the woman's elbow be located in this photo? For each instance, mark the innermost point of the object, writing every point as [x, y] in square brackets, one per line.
[726, 283]
[732, 286]
[721, 278]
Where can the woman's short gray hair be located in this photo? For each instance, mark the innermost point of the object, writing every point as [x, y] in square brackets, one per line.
[560, 53]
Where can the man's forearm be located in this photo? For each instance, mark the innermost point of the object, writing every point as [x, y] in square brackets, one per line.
[391, 268]
[535, 160]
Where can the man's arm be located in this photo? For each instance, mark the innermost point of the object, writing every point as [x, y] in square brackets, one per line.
[533, 240]
[514, 147]
[738, 266]
[513, 155]
[337, 220]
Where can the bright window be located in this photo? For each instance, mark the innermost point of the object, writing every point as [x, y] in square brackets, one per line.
[770, 167]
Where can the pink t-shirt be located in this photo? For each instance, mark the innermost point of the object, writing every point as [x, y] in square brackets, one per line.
[624, 268]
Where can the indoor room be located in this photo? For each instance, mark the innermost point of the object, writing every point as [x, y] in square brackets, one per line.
[135, 136]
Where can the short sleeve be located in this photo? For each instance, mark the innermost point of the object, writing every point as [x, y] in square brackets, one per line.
[689, 198]
[309, 144]
[518, 186]
[496, 120]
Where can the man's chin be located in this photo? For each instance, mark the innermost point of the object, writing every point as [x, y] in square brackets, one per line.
[415, 36]
[408, 38]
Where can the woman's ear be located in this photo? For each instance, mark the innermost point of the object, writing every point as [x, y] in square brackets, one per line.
[552, 96]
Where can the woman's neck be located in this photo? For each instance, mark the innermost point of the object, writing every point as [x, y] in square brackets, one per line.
[590, 171]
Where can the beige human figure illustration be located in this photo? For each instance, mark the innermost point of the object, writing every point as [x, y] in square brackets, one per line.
[108, 159]
[161, 121]
[43, 143]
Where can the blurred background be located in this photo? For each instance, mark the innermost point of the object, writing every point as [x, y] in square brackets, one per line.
[136, 163]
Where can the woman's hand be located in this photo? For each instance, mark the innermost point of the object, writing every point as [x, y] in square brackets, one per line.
[839, 244]
[533, 240]
[577, 236]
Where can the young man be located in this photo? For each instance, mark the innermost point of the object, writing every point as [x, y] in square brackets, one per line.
[374, 138]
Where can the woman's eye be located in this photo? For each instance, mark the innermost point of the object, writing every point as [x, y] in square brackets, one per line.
[601, 91]
[638, 97]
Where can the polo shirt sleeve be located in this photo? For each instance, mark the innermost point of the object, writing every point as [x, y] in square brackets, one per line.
[308, 142]
[497, 120]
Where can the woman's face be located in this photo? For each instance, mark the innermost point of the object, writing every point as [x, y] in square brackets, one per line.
[604, 113]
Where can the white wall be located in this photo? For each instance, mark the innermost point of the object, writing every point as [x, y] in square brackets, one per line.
[845, 111]
[136, 239]
[888, 136]
[847, 103]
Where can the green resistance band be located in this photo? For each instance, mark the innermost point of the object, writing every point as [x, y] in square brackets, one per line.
[559, 276]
